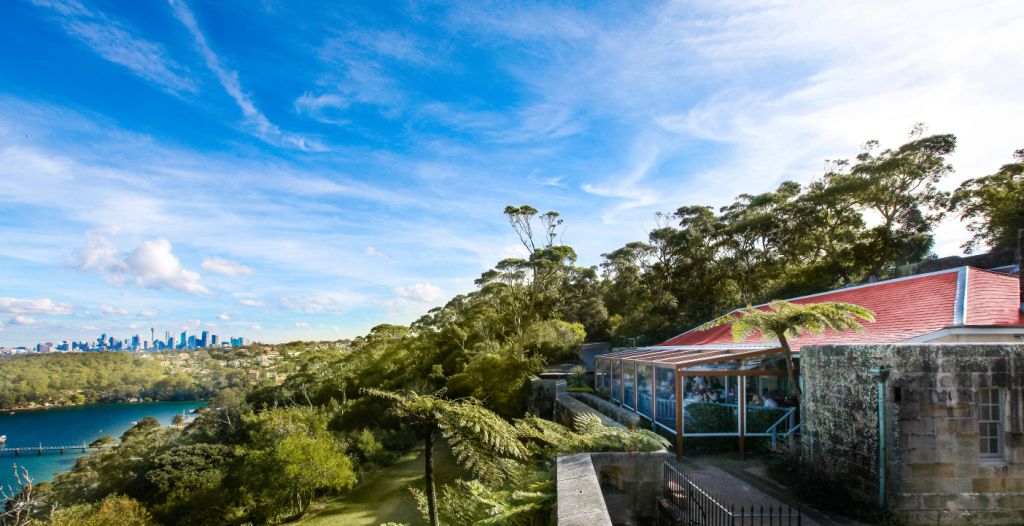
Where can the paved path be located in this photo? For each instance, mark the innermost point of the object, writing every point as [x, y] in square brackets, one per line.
[722, 479]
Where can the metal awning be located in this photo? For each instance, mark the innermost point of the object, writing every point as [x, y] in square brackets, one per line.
[687, 356]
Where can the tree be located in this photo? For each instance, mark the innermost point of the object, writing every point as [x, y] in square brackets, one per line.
[293, 456]
[785, 320]
[900, 185]
[17, 505]
[481, 441]
[994, 205]
[114, 510]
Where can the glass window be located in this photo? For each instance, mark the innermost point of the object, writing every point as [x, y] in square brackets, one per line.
[990, 422]
[665, 382]
[643, 386]
[616, 379]
[628, 384]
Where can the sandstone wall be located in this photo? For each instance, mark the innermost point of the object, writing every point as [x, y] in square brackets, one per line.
[935, 471]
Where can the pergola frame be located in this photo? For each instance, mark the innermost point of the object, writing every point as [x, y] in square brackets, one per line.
[681, 360]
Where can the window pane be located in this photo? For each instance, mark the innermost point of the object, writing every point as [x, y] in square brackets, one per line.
[666, 395]
[643, 385]
[628, 384]
[990, 422]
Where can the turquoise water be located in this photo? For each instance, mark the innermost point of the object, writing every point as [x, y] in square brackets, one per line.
[72, 425]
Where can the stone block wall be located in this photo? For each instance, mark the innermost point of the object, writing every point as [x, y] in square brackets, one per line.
[935, 472]
[619, 414]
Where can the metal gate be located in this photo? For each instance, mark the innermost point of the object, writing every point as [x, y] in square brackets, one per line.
[690, 505]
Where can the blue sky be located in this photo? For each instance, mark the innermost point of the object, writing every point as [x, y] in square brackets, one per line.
[290, 170]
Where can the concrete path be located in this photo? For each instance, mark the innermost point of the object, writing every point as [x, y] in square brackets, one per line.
[727, 481]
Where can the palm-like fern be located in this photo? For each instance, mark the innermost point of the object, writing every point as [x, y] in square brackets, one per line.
[481, 441]
[786, 320]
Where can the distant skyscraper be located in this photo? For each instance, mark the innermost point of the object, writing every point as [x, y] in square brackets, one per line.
[184, 340]
[206, 339]
[213, 340]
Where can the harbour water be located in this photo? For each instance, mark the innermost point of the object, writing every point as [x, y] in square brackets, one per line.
[68, 426]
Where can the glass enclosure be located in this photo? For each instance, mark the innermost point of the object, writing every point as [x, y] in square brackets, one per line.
[711, 392]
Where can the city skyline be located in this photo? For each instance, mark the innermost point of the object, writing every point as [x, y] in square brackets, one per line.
[307, 171]
[135, 343]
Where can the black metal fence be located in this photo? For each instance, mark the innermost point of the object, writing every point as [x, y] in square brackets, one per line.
[692, 506]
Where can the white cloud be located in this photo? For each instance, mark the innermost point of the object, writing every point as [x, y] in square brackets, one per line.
[115, 42]
[223, 316]
[152, 264]
[148, 313]
[226, 267]
[422, 292]
[256, 327]
[22, 320]
[46, 306]
[321, 302]
[248, 302]
[301, 324]
[373, 252]
[107, 309]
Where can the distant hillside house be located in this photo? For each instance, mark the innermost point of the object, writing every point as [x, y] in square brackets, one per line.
[739, 388]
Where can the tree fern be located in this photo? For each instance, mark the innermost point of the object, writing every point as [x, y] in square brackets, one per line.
[786, 320]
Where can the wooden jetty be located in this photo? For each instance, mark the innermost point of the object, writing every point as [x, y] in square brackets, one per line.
[41, 449]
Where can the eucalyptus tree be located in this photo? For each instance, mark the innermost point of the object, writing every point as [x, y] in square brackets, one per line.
[900, 185]
[993, 205]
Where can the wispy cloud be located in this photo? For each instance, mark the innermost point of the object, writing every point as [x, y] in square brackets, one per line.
[107, 309]
[255, 121]
[45, 306]
[226, 267]
[115, 41]
[423, 292]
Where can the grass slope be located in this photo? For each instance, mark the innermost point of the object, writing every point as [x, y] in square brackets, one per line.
[385, 497]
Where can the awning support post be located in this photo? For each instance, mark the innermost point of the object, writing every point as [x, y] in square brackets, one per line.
[679, 414]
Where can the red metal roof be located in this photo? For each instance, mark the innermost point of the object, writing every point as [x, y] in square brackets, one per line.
[992, 299]
[904, 308]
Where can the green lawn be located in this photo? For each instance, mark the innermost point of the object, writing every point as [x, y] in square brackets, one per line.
[385, 496]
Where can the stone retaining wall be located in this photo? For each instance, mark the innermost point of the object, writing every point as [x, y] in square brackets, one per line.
[623, 416]
[567, 408]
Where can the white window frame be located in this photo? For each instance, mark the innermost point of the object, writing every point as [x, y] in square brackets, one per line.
[990, 413]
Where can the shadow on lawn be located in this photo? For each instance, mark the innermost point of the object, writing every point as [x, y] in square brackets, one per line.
[385, 496]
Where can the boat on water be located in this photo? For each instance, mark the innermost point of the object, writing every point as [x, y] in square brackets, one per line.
[3, 439]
